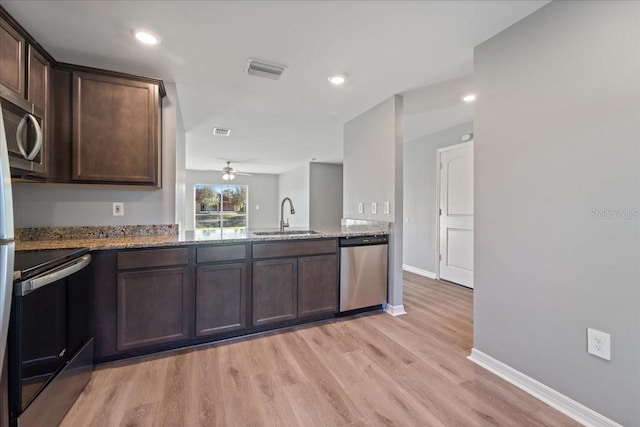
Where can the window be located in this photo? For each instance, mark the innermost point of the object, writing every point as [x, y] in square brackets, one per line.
[221, 210]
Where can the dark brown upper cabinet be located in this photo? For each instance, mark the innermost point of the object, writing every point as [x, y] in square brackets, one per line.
[24, 81]
[38, 78]
[116, 125]
[99, 126]
[11, 61]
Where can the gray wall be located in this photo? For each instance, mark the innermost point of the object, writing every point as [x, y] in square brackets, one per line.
[420, 172]
[181, 170]
[557, 137]
[295, 185]
[373, 144]
[263, 194]
[49, 205]
[325, 192]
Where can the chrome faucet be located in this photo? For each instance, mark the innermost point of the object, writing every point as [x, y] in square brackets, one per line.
[284, 223]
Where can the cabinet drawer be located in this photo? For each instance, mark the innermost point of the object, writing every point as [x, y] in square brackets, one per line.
[299, 248]
[152, 258]
[220, 253]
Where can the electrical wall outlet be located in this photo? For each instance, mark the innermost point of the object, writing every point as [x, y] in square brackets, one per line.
[374, 208]
[118, 209]
[599, 343]
[385, 208]
[360, 207]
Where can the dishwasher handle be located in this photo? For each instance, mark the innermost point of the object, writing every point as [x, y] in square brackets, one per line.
[364, 241]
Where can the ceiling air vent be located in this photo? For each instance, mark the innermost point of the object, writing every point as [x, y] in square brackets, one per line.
[221, 132]
[264, 69]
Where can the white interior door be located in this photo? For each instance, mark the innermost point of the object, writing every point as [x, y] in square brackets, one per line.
[456, 215]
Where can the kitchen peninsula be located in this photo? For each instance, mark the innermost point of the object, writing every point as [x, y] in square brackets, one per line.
[155, 289]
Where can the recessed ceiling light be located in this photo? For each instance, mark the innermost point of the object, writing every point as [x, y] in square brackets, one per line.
[337, 79]
[146, 36]
[469, 97]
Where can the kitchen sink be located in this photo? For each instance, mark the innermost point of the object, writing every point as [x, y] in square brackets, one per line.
[285, 233]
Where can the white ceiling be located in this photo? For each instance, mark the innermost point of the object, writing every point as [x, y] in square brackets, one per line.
[386, 47]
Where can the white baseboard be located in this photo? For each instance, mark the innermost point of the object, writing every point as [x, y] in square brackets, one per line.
[395, 310]
[559, 401]
[418, 271]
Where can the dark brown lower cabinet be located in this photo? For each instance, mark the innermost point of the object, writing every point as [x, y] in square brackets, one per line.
[317, 284]
[152, 307]
[275, 290]
[220, 298]
[153, 299]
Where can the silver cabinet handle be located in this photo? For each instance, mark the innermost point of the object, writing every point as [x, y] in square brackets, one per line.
[20, 137]
[65, 270]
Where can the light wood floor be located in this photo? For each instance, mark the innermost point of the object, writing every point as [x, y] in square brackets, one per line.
[368, 370]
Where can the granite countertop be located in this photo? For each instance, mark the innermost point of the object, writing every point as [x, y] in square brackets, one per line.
[191, 238]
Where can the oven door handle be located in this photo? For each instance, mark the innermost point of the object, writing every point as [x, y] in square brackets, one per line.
[65, 270]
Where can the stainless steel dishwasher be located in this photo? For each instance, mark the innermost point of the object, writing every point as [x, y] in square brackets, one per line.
[363, 272]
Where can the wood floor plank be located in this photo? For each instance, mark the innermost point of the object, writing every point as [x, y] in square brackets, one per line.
[365, 370]
[275, 409]
[336, 402]
[238, 397]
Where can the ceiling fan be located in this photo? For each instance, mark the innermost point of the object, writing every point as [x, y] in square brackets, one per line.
[230, 173]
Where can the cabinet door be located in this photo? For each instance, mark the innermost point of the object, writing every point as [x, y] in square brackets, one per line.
[153, 307]
[317, 284]
[116, 130]
[11, 60]
[38, 77]
[220, 298]
[275, 290]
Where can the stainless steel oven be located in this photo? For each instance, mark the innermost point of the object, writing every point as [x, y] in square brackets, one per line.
[50, 351]
[23, 124]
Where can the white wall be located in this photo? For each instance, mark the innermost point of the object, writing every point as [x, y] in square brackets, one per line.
[49, 205]
[325, 193]
[420, 210]
[263, 194]
[372, 172]
[295, 185]
[557, 143]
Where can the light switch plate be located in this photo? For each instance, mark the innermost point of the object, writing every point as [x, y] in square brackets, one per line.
[118, 209]
[374, 208]
[385, 208]
[360, 207]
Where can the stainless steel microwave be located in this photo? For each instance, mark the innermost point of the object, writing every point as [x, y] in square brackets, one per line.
[23, 124]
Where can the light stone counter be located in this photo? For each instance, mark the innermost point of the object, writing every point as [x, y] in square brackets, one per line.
[97, 240]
